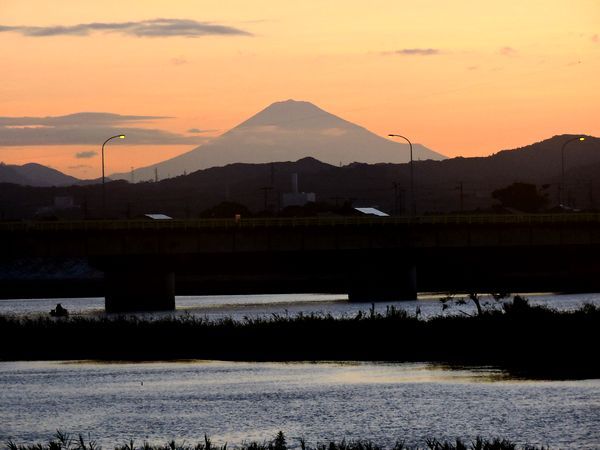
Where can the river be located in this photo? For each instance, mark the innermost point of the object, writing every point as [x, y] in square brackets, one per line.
[232, 402]
[240, 306]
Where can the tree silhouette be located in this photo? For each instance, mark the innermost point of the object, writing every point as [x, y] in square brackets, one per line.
[521, 196]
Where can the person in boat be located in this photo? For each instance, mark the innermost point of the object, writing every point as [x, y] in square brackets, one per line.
[59, 311]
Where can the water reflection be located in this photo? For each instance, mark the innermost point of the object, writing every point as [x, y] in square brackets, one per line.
[236, 401]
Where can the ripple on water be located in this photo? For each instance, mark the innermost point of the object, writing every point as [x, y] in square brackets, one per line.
[233, 402]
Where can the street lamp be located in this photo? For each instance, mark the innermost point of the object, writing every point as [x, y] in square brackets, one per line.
[120, 136]
[412, 178]
[562, 171]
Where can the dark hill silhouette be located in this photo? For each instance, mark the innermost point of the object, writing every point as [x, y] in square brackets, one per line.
[535, 163]
[33, 174]
[441, 186]
[8, 174]
[288, 131]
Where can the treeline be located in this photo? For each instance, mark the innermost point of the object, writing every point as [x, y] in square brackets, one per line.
[525, 180]
[525, 339]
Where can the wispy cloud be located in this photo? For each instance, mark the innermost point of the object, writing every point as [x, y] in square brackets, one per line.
[415, 52]
[80, 166]
[85, 154]
[86, 128]
[76, 119]
[143, 28]
[508, 51]
[179, 61]
[199, 131]
[595, 38]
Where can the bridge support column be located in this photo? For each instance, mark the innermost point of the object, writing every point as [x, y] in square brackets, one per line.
[139, 290]
[376, 284]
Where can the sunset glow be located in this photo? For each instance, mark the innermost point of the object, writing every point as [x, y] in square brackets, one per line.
[462, 78]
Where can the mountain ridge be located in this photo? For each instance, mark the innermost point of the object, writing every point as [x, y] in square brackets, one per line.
[288, 131]
[34, 174]
[452, 185]
[537, 163]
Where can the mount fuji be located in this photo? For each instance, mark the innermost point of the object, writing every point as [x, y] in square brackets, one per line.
[288, 131]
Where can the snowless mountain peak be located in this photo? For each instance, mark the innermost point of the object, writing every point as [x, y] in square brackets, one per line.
[288, 131]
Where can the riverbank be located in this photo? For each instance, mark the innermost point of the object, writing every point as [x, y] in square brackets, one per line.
[63, 441]
[529, 340]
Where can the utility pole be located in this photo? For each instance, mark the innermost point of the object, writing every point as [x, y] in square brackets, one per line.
[132, 177]
[336, 200]
[266, 190]
[272, 175]
[119, 136]
[413, 202]
[156, 174]
[563, 189]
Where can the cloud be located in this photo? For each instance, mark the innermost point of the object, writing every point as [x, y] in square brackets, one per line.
[415, 52]
[143, 28]
[80, 166]
[595, 38]
[85, 154]
[199, 131]
[508, 51]
[179, 61]
[335, 132]
[76, 119]
[86, 128]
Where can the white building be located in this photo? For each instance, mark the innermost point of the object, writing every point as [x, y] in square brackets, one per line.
[296, 198]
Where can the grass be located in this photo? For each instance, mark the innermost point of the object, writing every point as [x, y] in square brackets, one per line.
[63, 441]
[532, 340]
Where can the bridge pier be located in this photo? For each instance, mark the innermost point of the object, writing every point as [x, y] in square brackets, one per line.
[129, 290]
[377, 284]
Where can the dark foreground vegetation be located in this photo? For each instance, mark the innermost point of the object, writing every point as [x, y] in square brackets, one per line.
[65, 442]
[528, 340]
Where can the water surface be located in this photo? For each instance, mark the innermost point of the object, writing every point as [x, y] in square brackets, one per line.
[240, 306]
[232, 402]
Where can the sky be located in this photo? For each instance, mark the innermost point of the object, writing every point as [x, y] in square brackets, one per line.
[462, 77]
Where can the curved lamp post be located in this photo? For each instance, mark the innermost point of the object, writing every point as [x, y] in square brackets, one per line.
[412, 179]
[120, 136]
[562, 170]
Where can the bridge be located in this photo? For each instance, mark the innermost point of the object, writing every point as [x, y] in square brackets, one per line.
[371, 259]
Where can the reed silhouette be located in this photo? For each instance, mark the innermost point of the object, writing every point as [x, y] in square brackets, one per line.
[63, 441]
[524, 339]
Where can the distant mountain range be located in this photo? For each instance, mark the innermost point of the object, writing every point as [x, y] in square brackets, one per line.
[258, 154]
[440, 186]
[288, 131]
[33, 174]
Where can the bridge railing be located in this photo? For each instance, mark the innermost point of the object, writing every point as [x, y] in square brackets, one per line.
[190, 224]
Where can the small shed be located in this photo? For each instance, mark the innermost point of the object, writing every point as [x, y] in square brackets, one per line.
[157, 217]
[371, 212]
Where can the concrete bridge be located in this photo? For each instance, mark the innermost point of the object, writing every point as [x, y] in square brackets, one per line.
[371, 259]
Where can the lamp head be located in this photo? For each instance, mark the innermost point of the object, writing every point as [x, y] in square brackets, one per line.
[582, 138]
[121, 136]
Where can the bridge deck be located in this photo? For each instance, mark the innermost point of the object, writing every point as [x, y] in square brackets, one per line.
[185, 224]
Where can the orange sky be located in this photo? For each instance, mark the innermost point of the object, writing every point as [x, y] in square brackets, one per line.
[463, 77]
